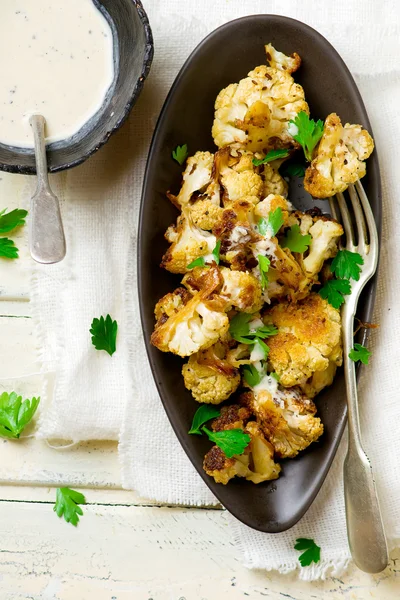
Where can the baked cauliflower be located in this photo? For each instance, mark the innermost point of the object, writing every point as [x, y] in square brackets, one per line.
[188, 242]
[256, 464]
[209, 377]
[325, 234]
[196, 325]
[205, 213]
[196, 177]
[254, 114]
[273, 181]
[286, 419]
[339, 158]
[242, 290]
[278, 60]
[309, 337]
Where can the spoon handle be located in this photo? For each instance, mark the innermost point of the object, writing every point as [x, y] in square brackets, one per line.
[47, 241]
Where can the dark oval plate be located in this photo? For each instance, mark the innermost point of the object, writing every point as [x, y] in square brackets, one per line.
[226, 56]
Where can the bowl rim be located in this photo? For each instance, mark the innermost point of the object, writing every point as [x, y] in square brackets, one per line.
[147, 62]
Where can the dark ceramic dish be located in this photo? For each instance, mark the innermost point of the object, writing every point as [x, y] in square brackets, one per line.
[133, 54]
[222, 58]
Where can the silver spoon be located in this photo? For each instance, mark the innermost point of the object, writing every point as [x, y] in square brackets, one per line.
[47, 241]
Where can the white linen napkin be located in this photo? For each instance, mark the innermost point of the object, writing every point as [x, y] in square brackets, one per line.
[95, 396]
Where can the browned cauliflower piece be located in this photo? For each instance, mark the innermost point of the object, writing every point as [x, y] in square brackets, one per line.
[256, 464]
[188, 242]
[209, 377]
[197, 177]
[205, 213]
[238, 177]
[254, 114]
[325, 233]
[170, 304]
[273, 181]
[242, 290]
[309, 338]
[278, 60]
[287, 419]
[339, 158]
[196, 325]
[319, 380]
[270, 204]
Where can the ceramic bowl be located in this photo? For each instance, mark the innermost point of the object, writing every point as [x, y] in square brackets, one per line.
[133, 52]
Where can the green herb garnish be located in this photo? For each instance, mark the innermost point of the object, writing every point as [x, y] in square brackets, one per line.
[104, 334]
[270, 156]
[346, 265]
[360, 353]
[8, 249]
[15, 414]
[204, 413]
[11, 220]
[309, 132]
[67, 501]
[334, 291]
[231, 441]
[295, 241]
[312, 551]
[180, 154]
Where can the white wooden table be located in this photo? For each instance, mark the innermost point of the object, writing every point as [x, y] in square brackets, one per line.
[124, 547]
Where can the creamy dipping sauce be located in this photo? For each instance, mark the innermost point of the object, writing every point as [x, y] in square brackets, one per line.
[56, 59]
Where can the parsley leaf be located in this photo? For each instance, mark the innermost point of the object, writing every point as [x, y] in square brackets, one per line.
[198, 262]
[275, 376]
[239, 327]
[292, 169]
[361, 353]
[204, 413]
[67, 501]
[231, 441]
[295, 241]
[263, 263]
[334, 291]
[215, 252]
[308, 132]
[251, 375]
[265, 331]
[11, 220]
[270, 156]
[8, 249]
[104, 334]
[274, 223]
[15, 414]
[312, 551]
[346, 265]
[180, 154]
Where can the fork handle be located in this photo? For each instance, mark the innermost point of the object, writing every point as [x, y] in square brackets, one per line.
[365, 530]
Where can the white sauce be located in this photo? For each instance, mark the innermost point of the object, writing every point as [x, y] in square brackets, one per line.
[267, 384]
[239, 235]
[56, 59]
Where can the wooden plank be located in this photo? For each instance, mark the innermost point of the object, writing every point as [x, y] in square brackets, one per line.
[134, 553]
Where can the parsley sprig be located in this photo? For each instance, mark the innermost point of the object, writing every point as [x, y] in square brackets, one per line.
[15, 414]
[201, 261]
[312, 552]
[295, 241]
[263, 264]
[270, 156]
[360, 353]
[67, 502]
[335, 290]
[104, 334]
[232, 442]
[239, 328]
[292, 169]
[180, 154]
[307, 132]
[11, 220]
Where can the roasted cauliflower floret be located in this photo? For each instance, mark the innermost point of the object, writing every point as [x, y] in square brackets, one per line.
[171, 303]
[309, 338]
[196, 177]
[256, 464]
[197, 324]
[339, 158]
[270, 204]
[188, 242]
[319, 380]
[222, 468]
[242, 290]
[238, 177]
[254, 114]
[325, 233]
[287, 420]
[205, 214]
[278, 60]
[273, 181]
[209, 377]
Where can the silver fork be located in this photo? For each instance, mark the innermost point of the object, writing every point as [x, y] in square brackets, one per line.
[365, 530]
